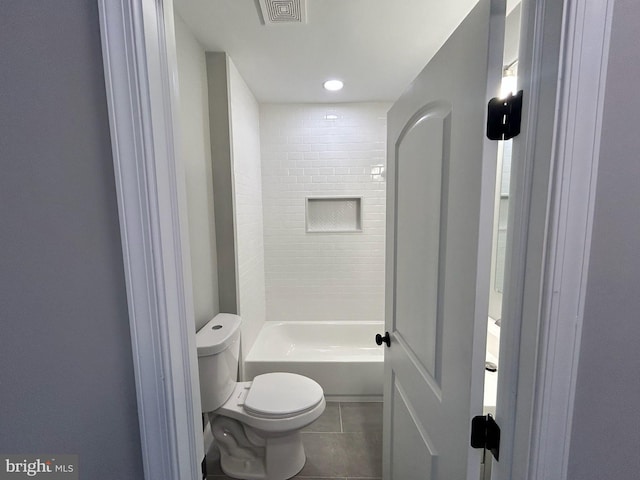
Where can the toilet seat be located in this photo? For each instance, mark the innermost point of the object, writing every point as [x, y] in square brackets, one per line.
[279, 395]
[275, 402]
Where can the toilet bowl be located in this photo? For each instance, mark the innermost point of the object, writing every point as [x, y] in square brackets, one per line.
[256, 425]
[258, 429]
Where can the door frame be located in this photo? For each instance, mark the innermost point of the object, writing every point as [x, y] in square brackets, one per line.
[548, 246]
[140, 67]
[567, 44]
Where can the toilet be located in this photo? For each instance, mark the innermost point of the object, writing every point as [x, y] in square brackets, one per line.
[256, 425]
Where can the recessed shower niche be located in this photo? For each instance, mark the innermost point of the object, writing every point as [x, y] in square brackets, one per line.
[334, 214]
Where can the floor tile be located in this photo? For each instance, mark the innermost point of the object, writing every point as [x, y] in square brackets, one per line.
[326, 455]
[355, 454]
[213, 464]
[364, 454]
[319, 478]
[329, 421]
[361, 417]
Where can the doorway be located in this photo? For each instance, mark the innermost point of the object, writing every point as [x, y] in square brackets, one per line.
[159, 160]
[245, 178]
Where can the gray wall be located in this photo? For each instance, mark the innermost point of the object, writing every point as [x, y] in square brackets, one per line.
[66, 372]
[196, 160]
[222, 160]
[605, 441]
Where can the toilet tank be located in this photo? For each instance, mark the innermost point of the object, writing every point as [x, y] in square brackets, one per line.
[218, 344]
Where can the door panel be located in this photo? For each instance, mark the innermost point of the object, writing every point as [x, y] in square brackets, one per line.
[441, 176]
[406, 461]
[420, 248]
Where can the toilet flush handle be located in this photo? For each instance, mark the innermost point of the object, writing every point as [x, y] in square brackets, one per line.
[386, 339]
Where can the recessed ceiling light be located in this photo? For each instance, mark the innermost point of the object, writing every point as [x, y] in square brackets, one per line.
[333, 85]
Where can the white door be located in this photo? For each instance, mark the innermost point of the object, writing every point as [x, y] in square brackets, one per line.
[440, 193]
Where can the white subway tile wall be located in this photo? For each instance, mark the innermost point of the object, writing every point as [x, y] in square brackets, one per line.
[247, 181]
[314, 151]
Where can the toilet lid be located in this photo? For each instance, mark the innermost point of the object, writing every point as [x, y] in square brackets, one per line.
[282, 394]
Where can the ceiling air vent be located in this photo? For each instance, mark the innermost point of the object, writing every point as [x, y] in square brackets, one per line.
[279, 12]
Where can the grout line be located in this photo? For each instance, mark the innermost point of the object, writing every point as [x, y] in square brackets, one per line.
[340, 415]
[331, 478]
[323, 433]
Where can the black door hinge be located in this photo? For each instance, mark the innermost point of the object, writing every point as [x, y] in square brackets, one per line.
[504, 116]
[485, 433]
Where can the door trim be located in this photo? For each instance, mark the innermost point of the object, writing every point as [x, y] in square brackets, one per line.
[138, 45]
[572, 201]
[549, 240]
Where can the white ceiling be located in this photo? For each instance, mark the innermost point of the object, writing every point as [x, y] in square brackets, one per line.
[377, 47]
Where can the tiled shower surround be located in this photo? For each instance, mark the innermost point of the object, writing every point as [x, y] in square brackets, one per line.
[247, 196]
[319, 151]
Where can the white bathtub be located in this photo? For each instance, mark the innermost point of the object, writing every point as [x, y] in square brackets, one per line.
[341, 356]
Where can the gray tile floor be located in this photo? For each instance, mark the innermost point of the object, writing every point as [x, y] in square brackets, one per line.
[345, 443]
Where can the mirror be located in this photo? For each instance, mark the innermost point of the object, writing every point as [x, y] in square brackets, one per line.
[509, 82]
[504, 175]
